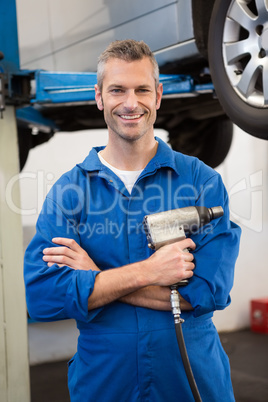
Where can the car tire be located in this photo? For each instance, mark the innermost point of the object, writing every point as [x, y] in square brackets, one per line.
[238, 60]
[209, 140]
[27, 141]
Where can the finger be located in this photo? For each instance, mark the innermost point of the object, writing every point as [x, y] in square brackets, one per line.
[65, 241]
[50, 264]
[189, 266]
[55, 250]
[189, 274]
[187, 243]
[188, 257]
[57, 259]
[64, 251]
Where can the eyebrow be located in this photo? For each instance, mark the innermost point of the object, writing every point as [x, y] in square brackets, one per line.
[143, 86]
[115, 86]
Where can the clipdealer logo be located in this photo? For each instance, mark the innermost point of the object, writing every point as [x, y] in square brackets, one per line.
[42, 184]
[248, 191]
[246, 197]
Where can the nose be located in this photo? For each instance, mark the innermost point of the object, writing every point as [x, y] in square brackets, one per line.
[131, 100]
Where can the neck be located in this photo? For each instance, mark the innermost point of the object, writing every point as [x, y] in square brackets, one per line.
[130, 155]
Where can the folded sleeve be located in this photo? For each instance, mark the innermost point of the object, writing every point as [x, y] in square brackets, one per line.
[217, 247]
[56, 293]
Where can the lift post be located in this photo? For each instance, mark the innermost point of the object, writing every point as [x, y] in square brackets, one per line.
[14, 362]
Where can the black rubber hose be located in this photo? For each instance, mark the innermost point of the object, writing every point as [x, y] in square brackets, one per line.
[186, 363]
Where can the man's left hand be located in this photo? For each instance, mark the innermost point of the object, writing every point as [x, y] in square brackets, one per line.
[70, 254]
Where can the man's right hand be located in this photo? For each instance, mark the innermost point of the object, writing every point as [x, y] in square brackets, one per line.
[168, 265]
[171, 264]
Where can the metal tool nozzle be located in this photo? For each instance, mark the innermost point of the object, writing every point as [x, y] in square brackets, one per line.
[216, 212]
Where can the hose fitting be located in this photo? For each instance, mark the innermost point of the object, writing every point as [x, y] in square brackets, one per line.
[175, 305]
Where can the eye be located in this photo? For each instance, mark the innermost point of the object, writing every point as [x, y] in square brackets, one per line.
[143, 90]
[116, 91]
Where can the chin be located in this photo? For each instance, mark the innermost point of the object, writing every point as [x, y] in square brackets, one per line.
[131, 137]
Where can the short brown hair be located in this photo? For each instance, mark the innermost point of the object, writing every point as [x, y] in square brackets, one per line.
[127, 50]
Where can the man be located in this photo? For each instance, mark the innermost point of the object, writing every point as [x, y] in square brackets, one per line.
[89, 259]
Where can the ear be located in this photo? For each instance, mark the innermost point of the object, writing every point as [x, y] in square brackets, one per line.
[98, 97]
[159, 93]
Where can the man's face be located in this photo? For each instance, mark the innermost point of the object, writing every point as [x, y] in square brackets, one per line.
[129, 98]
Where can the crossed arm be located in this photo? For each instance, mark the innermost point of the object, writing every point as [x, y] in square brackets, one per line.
[144, 284]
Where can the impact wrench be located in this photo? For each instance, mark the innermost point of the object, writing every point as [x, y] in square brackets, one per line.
[169, 227]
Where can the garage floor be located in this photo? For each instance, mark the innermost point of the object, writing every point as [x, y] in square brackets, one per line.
[247, 351]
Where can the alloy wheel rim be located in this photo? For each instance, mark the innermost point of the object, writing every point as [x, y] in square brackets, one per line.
[245, 50]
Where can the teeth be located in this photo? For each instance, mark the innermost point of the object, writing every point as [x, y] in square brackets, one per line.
[127, 117]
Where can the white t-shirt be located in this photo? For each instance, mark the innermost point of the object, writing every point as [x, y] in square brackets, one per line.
[128, 177]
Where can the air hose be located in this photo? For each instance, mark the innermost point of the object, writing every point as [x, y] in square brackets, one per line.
[176, 311]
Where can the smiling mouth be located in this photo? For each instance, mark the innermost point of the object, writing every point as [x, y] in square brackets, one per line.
[130, 117]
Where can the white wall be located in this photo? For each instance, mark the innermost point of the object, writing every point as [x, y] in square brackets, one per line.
[244, 173]
[47, 162]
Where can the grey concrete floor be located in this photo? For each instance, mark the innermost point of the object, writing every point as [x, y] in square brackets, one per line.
[247, 351]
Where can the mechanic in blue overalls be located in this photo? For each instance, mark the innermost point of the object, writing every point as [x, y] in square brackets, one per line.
[89, 259]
